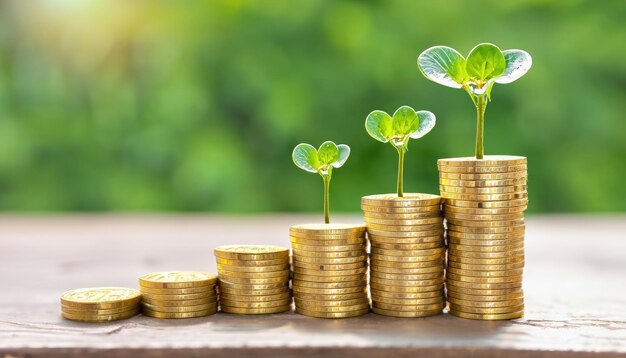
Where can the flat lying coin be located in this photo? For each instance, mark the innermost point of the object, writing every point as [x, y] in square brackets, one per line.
[407, 247]
[406, 234]
[483, 169]
[402, 216]
[488, 317]
[483, 204]
[313, 305]
[299, 260]
[181, 303]
[487, 268]
[406, 314]
[101, 297]
[489, 190]
[248, 304]
[172, 315]
[406, 289]
[486, 304]
[328, 229]
[180, 309]
[251, 252]
[332, 314]
[84, 317]
[409, 199]
[401, 210]
[487, 160]
[254, 263]
[484, 211]
[408, 302]
[207, 290]
[482, 183]
[460, 272]
[331, 242]
[270, 268]
[254, 311]
[329, 254]
[177, 279]
[409, 308]
[482, 298]
[395, 295]
[482, 310]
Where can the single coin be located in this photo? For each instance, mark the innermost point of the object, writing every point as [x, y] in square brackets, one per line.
[254, 311]
[410, 253]
[407, 228]
[313, 304]
[253, 287]
[407, 247]
[515, 258]
[329, 254]
[101, 297]
[255, 269]
[438, 262]
[421, 258]
[92, 312]
[487, 230]
[486, 304]
[483, 169]
[484, 237]
[484, 211]
[405, 283]
[406, 289]
[483, 286]
[408, 302]
[486, 243]
[177, 291]
[357, 307]
[485, 224]
[409, 308]
[327, 237]
[484, 176]
[249, 298]
[181, 297]
[376, 240]
[487, 160]
[419, 295]
[403, 277]
[484, 204]
[257, 275]
[100, 318]
[324, 267]
[409, 199]
[253, 281]
[454, 290]
[316, 314]
[482, 183]
[317, 272]
[492, 248]
[403, 222]
[318, 278]
[262, 292]
[331, 248]
[481, 280]
[406, 314]
[405, 234]
[179, 309]
[493, 298]
[172, 315]
[368, 209]
[485, 268]
[333, 242]
[248, 304]
[341, 297]
[251, 252]
[329, 291]
[177, 279]
[299, 260]
[485, 197]
[253, 263]
[505, 217]
[489, 190]
[501, 273]
[486, 310]
[404, 271]
[488, 317]
[181, 303]
[399, 216]
[360, 282]
[327, 229]
[486, 255]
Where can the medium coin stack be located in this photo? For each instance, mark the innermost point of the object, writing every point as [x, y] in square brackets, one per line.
[330, 270]
[254, 279]
[484, 203]
[100, 304]
[178, 294]
[407, 254]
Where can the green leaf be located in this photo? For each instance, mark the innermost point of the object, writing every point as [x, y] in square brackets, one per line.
[518, 62]
[305, 157]
[443, 65]
[344, 153]
[405, 121]
[328, 153]
[426, 123]
[485, 62]
[379, 125]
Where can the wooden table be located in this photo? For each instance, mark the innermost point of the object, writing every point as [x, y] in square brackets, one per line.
[575, 284]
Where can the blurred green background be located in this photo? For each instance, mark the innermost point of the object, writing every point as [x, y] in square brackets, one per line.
[197, 105]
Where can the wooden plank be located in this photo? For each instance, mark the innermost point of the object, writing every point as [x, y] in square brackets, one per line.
[575, 286]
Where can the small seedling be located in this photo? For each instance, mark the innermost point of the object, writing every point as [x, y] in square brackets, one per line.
[484, 66]
[405, 124]
[321, 161]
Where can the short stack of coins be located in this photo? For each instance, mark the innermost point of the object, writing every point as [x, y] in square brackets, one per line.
[254, 279]
[100, 304]
[484, 203]
[407, 254]
[178, 294]
[330, 270]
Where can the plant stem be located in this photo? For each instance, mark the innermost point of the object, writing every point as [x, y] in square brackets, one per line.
[481, 105]
[326, 179]
[401, 150]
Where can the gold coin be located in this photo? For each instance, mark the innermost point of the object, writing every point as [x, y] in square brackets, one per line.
[298, 284]
[317, 272]
[405, 234]
[483, 211]
[340, 297]
[493, 298]
[313, 304]
[328, 229]
[316, 314]
[253, 311]
[482, 183]
[486, 304]
[484, 176]
[251, 252]
[485, 224]
[405, 314]
[484, 237]
[409, 308]
[327, 237]
[177, 291]
[408, 200]
[488, 317]
[487, 230]
[486, 255]
[483, 169]
[403, 277]
[421, 258]
[470, 267]
[482, 191]
[501, 273]
[372, 215]
[438, 262]
[401, 283]
[177, 279]
[487, 160]
[394, 295]
[483, 286]
[409, 253]
[171, 315]
[484, 261]
[505, 217]
[100, 318]
[403, 222]
[181, 303]
[334, 242]
[492, 248]
[323, 267]
[318, 278]
[406, 289]
[407, 228]
[253, 281]
[257, 275]
[179, 309]
[329, 291]
[406, 247]
[253, 263]
[404, 271]
[486, 243]
[266, 292]
[481, 291]
[101, 297]
[92, 311]
[485, 197]
[429, 209]
[484, 204]
[299, 260]
[181, 297]
[329, 254]
[407, 302]
[249, 304]
[357, 307]
[255, 269]
[333, 248]
[481, 280]
[486, 310]
[376, 239]
[252, 287]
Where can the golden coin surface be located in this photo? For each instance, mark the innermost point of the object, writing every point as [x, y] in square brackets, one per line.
[406, 314]
[483, 211]
[376, 239]
[253, 281]
[421, 258]
[406, 283]
[482, 183]
[485, 224]
[486, 197]
[482, 169]
[329, 254]
[493, 298]
[405, 271]
[489, 190]
[331, 242]
[409, 199]
[482, 286]
[487, 268]
[369, 215]
[328, 229]
[253, 287]
[429, 209]
[298, 284]
[488, 160]
[299, 260]
[408, 302]
[316, 314]
[475, 279]
[326, 248]
[248, 298]
[486, 255]
[483, 236]
[407, 247]
[100, 318]
[92, 311]
[407, 228]
[250, 304]
[251, 252]
[312, 304]
[177, 291]
[438, 262]
[324, 267]
[409, 308]
[326, 237]
[253, 263]
[181, 297]
[177, 279]
[487, 230]
[332, 297]
[101, 297]
[485, 243]
[483, 292]
[173, 315]
[484, 176]
[403, 222]
[322, 279]
[179, 309]
[264, 292]
[329, 291]
[505, 217]
[486, 304]
[317, 272]
[491, 248]
[181, 303]
[404, 277]
[284, 273]
[488, 317]
[254, 311]
[483, 204]
[501, 273]
[357, 307]
[271, 268]
[412, 253]
[395, 295]
[405, 234]
[486, 310]
[406, 289]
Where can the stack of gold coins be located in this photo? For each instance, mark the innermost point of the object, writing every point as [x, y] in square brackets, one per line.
[407, 254]
[254, 279]
[330, 270]
[178, 294]
[484, 203]
[100, 304]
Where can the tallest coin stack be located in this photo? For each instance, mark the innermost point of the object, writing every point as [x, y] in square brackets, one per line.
[484, 203]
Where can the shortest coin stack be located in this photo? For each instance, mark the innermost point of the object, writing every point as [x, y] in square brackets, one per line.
[100, 304]
[254, 279]
[178, 294]
[330, 270]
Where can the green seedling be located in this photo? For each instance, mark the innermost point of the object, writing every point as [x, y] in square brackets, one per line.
[321, 161]
[484, 66]
[405, 124]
